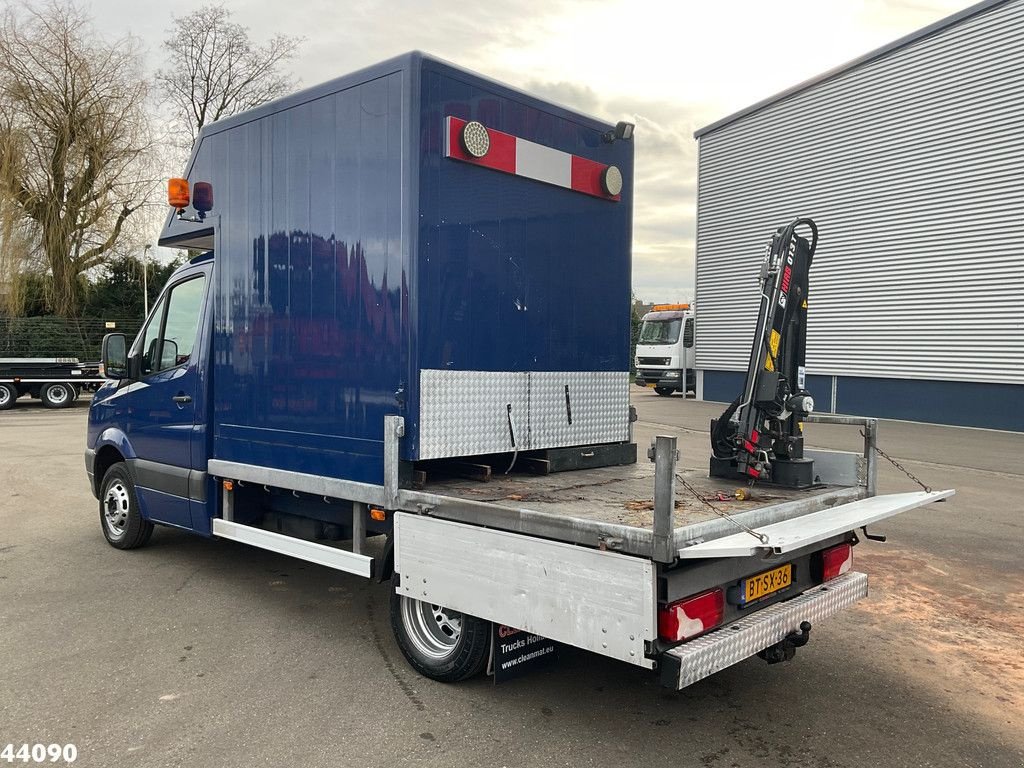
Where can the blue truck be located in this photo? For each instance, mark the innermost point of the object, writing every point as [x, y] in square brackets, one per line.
[404, 354]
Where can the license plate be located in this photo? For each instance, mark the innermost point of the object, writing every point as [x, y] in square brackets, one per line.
[767, 583]
[652, 385]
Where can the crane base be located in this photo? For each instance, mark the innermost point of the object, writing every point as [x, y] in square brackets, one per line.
[786, 473]
[793, 473]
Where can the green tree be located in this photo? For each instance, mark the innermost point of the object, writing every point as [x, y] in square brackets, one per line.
[637, 310]
[117, 291]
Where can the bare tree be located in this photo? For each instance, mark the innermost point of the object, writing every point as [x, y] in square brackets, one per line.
[74, 137]
[214, 70]
[18, 256]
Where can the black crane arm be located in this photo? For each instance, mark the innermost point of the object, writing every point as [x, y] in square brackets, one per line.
[760, 434]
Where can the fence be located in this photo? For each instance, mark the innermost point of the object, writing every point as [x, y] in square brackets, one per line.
[59, 337]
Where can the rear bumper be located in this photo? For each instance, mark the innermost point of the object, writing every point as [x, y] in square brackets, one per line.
[697, 659]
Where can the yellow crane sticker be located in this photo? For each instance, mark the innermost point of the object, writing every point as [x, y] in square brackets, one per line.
[773, 350]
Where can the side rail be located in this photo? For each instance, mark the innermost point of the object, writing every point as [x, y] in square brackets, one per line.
[869, 429]
[361, 495]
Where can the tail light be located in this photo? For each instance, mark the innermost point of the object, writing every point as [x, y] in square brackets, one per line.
[692, 616]
[836, 561]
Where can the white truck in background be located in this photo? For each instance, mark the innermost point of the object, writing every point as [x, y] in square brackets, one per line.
[664, 352]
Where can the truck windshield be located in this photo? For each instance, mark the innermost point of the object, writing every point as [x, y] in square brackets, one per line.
[660, 331]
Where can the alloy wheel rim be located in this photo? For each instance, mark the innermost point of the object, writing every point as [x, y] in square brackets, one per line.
[433, 629]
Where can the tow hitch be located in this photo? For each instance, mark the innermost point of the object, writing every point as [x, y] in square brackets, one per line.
[786, 648]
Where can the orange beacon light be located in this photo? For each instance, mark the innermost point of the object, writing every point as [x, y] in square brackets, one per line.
[177, 194]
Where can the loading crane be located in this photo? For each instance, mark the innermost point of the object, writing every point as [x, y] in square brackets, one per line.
[760, 435]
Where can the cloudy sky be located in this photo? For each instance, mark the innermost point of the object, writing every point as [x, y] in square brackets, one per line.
[669, 66]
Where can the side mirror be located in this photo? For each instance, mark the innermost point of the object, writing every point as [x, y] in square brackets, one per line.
[168, 355]
[114, 356]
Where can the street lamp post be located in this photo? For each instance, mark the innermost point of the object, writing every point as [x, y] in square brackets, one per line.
[145, 281]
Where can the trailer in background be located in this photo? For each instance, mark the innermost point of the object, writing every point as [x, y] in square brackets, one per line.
[57, 381]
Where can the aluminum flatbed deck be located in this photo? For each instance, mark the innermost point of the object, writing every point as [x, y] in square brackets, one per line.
[614, 507]
[613, 495]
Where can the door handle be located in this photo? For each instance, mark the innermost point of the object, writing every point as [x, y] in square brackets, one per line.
[182, 399]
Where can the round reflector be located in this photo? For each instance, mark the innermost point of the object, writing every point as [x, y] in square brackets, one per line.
[611, 180]
[475, 139]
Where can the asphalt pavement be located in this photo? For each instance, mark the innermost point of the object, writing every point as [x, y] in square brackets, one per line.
[194, 652]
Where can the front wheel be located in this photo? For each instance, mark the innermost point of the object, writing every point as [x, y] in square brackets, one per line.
[439, 643]
[123, 524]
[664, 391]
[57, 395]
[8, 394]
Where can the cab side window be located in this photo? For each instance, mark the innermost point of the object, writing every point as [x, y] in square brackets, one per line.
[688, 333]
[182, 323]
[171, 334]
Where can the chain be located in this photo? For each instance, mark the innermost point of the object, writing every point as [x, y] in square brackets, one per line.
[763, 538]
[898, 466]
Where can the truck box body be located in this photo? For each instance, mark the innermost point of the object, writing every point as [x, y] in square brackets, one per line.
[364, 268]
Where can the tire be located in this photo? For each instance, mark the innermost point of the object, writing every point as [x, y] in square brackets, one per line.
[8, 396]
[57, 395]
[440, 644]
[123, 526]
[664, 391]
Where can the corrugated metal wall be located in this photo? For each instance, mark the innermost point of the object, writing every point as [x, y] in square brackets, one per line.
[913, 167]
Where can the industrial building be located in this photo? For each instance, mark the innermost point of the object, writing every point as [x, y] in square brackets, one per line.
[911, 161]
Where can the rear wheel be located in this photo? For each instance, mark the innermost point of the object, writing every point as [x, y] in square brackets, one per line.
[664, 391]
[122, 523]
[439, 643]
[57, 395]
[8, 394]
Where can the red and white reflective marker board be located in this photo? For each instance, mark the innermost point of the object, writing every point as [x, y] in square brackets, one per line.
[511, 154]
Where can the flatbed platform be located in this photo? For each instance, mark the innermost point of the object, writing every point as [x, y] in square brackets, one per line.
[614, 495]
[613, 507]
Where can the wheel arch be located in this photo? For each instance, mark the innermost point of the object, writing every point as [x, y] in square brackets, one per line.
[112, 446]
[106, 457]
